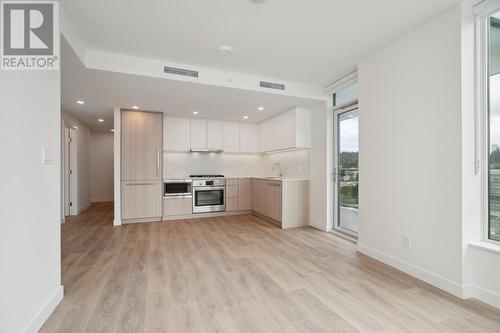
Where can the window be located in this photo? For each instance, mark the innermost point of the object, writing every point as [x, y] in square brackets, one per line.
[493, 77]
[488, 92]
[345, 160]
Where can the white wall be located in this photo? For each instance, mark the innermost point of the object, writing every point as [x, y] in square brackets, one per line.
[319, 195]
[30, 199]
[181, 165]
[101, 166]
[410, 152]
[83, 160]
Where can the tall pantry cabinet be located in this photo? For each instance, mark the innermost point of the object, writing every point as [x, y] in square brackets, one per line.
[141, 166]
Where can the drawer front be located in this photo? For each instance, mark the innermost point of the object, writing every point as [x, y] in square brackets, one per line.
[232, 181]
[141, 199]
[231, 191]
[177, 206]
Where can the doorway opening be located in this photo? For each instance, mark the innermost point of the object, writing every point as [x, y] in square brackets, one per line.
[346, 170]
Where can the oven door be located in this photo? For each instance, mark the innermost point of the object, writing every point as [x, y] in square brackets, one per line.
[209, 199]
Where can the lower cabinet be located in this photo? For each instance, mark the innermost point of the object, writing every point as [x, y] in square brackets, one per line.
[266, 198]
[177, 206]
[141, 200]
[244, 194]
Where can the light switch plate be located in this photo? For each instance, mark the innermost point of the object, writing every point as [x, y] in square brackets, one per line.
[47, 157]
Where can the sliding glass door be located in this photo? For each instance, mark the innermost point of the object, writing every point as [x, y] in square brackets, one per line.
[346, 172]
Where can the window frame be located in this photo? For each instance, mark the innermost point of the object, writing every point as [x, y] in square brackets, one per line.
[482, 117]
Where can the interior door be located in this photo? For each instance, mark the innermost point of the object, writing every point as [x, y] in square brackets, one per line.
[346, 173]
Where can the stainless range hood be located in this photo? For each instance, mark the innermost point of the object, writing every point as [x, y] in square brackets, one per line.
[218, 151]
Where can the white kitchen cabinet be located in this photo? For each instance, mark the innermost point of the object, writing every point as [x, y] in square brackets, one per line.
[214, 135]
[231, 137]
[288, 130]
[198, 134]
[249, 142]
[176, 134]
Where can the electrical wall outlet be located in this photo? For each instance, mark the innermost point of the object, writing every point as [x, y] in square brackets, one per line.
[406, 241]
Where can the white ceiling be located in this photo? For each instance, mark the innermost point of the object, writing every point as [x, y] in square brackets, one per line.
[314, 41]
[102, 90]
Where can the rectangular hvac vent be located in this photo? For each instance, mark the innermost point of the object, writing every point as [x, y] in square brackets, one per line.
[180, 71]
[271, 85]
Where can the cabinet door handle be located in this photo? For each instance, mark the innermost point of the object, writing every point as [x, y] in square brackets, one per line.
[157, 162]
[140, 184]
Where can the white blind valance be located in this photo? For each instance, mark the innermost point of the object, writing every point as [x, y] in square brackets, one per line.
[486, 8]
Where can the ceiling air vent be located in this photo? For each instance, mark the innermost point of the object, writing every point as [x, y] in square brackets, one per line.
[180, 71]
[271, 85]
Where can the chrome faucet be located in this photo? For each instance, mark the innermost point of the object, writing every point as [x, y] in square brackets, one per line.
[277, 166]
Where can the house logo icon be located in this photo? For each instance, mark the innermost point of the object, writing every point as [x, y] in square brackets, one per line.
[30, 35]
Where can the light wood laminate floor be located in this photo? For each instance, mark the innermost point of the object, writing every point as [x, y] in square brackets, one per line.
[240, 274]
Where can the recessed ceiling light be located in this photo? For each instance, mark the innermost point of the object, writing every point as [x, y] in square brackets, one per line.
[225, 50]
[100, 120]
[195, 112]
[74, 127]
[135, 107]
[245, 117]
[80, 102]
[112, 130]
[260, 108]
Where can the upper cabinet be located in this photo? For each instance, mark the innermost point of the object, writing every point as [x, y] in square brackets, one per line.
[214, 135]
[141, 143]
[293, 126]
[176, 134]
[249, 142]
[231, 137]
[288, 130]
[198, 134]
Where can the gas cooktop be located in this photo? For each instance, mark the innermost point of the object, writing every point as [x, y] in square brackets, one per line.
[206, 176]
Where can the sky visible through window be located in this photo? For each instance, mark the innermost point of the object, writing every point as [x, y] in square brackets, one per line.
[349, 135]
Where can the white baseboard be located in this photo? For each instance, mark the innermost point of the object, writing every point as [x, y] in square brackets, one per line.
[319, 226]
[106, 199]
[420, 273]
[84, 208]
[45, 312]
[487, 296]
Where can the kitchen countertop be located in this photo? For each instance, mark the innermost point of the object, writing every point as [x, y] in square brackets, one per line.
[282, 179]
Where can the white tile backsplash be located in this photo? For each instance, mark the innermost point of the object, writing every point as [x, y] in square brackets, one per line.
[181, 165]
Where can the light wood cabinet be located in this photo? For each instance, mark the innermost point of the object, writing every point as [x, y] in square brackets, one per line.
[177, 206]
[232, 190]
[273, 202]
[232, 204]
[141, 145]
[231, 137]
[141, 199]
[198, 134]
[232, 195]
[285, 202]
[176, 134]
[244, 194]
[259, 196]
[214, 135]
